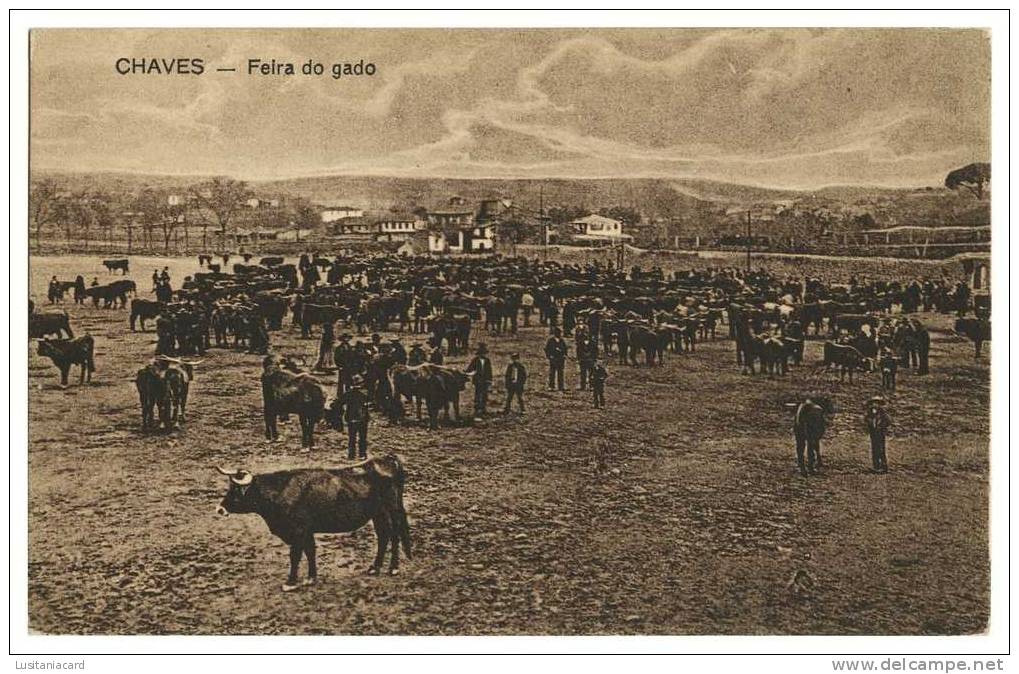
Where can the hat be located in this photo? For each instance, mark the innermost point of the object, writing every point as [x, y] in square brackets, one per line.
[482, 348]
[876, 400]
[357, 380]
[514, 355]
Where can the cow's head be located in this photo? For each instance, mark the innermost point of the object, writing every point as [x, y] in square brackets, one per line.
[236, 499]
[333, 415]
[46, 348]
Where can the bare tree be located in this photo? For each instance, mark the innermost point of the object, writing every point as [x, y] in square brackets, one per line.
[972, 176]
[43, 205]
[222, 197]
[151, 209]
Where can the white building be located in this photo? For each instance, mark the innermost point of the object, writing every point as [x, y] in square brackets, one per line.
[598, 227]
[334, 213]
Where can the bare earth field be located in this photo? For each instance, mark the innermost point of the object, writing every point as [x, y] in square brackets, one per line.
[695, 524]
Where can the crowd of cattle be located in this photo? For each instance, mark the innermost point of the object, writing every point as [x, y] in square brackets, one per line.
[636, 318]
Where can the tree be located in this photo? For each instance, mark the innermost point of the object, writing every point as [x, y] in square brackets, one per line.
[625, 214]
[560, 214]
[972, 176]
[43, 206]
[152, 210]
[516, 231]
[222, 197]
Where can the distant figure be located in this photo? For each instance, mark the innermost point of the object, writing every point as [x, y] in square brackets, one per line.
[878, 422]
[808, 428]
[587, 352]
[599, 374]
[355, 414]
[889, 367]
[436, 357]
[556, 350]
[527, 304]
[53, 292]
[325, 347]
[480, 370]
[516, 378]
[79, 289]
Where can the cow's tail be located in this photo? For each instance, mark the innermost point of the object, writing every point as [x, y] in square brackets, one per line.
[400, 516]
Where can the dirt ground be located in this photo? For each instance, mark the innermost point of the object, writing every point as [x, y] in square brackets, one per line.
[677, 510]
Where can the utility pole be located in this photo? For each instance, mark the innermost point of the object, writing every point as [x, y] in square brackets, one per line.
[748, 241]
[541, 216]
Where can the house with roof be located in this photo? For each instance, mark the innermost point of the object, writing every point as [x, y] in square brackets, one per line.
[335, 213]
[598, 228]
[397, 226]
[455, 227]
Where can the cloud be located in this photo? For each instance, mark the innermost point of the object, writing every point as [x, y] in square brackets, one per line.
[792, 108]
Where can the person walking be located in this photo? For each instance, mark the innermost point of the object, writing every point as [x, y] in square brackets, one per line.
[516, 378]
[480, 371]
[355, 415]
[556, 350]
[878, 422]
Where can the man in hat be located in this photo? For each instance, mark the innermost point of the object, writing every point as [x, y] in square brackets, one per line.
[341, 358]
[587, 352]
[355, 415]
[556, 350]
[516, 377]
[325, 347]
[480, 371]
[878, 422]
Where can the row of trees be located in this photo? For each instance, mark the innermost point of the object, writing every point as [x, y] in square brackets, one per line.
[150, 216]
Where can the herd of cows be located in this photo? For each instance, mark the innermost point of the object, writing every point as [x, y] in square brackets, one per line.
[636, 317]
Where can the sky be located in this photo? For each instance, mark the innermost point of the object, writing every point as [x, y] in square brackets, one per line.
[794, 108]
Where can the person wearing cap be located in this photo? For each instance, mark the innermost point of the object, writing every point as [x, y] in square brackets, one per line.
[556, 351]
[355, 415]
[599, 373]
[878, 422]
[342, 358]
[516, 378]
[480, 371]
[587, 352]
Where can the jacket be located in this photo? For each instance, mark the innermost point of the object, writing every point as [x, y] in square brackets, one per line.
[480, 369]
[516, 376]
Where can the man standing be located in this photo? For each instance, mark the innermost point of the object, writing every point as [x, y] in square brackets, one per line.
[527, 304]
[878, 422]
[355, 415]
[556, 350]
[598, 376]
[342, 359]
[480, 370]
[889, 367]
[516, 377]
[587, 352]
[325, 348]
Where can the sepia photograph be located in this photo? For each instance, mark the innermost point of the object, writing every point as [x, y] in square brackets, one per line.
[591, 331]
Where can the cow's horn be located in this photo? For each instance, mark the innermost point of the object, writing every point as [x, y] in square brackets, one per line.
[192, 363]
[224, 471]
[242, 478]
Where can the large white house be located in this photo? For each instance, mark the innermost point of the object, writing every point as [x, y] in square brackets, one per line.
[334, 213]
[598, 227]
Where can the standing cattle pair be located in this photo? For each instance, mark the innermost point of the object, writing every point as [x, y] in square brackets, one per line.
[163, 387]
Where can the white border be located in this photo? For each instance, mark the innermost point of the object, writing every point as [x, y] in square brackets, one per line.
[996, 641]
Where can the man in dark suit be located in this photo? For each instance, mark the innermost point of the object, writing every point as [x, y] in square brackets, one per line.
[480, 370]
[556, 350]
[355, 415]
[516, 378]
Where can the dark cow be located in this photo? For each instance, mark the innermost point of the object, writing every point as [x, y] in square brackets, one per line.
[163, 384]
[437, 386]
[271, 261]
[204, 259]
[67, 352]
[978, 330]
[121, 264]
[318, 314]
[297, 504]
[144, 310]
[809, 425]
[48, 323]
[847, 358]
[285, 393]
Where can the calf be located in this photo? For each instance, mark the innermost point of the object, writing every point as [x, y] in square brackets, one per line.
[297, 504]
[67, 352]
[845, 357]
[978, 330]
